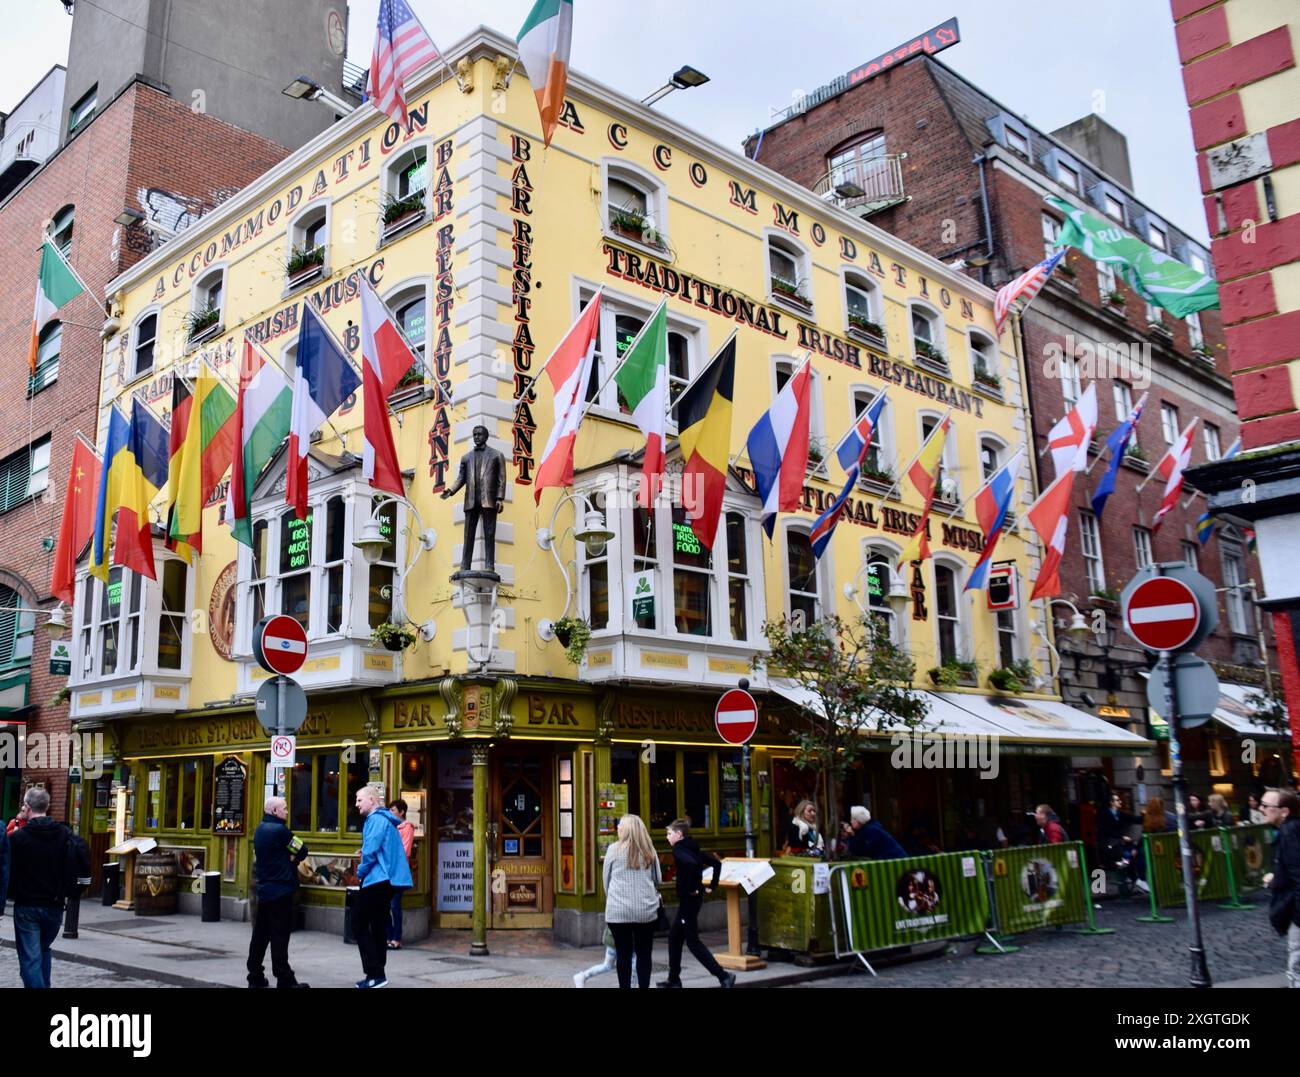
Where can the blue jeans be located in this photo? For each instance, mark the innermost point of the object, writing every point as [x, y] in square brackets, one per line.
[395, 915]
[35, 929]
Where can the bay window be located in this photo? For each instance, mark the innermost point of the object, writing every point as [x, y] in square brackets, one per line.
[322, 788]
[131, 626]
[692, 578]
[804, 601]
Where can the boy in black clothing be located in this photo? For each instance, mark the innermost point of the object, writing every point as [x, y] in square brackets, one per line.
[691, 862]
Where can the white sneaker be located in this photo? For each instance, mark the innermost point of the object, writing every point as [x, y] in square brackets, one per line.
[579, 979]
[1142, 885]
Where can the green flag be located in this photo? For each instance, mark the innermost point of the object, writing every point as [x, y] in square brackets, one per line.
[1154, 275]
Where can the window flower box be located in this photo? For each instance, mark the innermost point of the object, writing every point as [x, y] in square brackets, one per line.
[633, 226]
[400, 213]
[867, 331]
[1115, 299]
[790, 292]
[930, 357]
[304, 264]
[202, 324]
[987, 380]
[1107, 599]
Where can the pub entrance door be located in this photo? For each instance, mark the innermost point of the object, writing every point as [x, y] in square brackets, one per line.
[522, 881]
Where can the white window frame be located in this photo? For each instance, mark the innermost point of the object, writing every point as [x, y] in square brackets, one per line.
[1106, 280]
[961, 634]
[391, 181]
[1169, 427]
[1210, 438]
[134, 344]
[296, 238]
[798, 253]
[884, 550]
[1232, 556]
[656, 198]
[882, 438]
[999, 447]
[1071, 381]
[1143, 553]
[788, 364]
[1108, 201]
[1068, 177]
[396, 297]
[861, 282]
[69, 226]
[974, 339]
[1192, 555]
[822, 573]
[1158, 237]
[1013, 136]
[199, 301]
[938, 335]
[1195, 333]
[1051, 233]
[1094, 566]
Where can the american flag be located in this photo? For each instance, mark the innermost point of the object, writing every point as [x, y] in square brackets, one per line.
[402, 47]
[1028, 284]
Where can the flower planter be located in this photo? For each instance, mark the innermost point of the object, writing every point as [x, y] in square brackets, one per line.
[302, 276]
[563, 635]
[394, 645]
[870, 339]
[401, 223]
[795, 300]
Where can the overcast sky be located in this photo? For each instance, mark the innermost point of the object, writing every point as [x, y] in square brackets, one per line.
[1048, 62]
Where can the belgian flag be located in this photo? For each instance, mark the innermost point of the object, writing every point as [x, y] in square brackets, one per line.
[704, 419]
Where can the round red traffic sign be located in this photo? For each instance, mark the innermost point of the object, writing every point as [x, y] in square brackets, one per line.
[280, 645]
[1163, 614]
[736, 716]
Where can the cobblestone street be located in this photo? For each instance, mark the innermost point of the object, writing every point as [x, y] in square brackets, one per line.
[71, 974]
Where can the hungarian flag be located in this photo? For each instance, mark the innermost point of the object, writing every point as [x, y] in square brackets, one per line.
[144, 472]
[386, 359]
[1171, 468]
[1050, 517]
[642, 377]
[569, 369]
[704, 419]
[924, 474]
[261, 425]
[200, 455]
[322, 379]
[56, 285]
[78, 519]
[545, 41]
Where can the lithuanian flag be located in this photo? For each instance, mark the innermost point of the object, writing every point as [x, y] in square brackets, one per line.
[704, 419]
[924, 474]
[200, 454]
[545, 41]
[56, 285]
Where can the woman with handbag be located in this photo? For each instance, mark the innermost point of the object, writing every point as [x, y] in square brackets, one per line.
[632, 902]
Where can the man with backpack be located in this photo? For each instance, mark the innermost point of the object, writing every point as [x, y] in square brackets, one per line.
[45, 861]
[1050, 830]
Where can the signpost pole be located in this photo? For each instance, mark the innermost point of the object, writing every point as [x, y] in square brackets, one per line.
[281, 684]
[1200, 972]
[751, 941]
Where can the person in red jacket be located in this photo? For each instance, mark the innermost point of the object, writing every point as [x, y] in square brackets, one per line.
[19, 821]
[1051, 832]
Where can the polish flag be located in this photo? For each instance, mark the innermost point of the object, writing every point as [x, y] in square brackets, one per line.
[1074, 432]
[1171, 468]
[569, 369]
[387, 357]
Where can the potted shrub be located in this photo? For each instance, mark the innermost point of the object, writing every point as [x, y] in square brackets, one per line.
[943, 676]
[788, 289]
[1115, 298]
[866, 327]
[1107, 598]
[393, 637]
[954, 671]
[1135, 452]
[573, 634]
[197, 322]
[1005, 680]
[815, 455]
[883, 476]
[303, 263]
[986, 378]
[399, 212]
[926, 350]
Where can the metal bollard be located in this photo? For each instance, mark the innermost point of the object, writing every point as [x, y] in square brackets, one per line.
[72, 910]
[349, 905]
[211, 897]
[112, 883]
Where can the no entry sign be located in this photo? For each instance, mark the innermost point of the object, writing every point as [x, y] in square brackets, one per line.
[280, 645]
[1163, 614]
[736, 716]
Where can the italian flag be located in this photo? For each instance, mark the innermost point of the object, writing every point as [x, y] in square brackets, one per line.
[643, 379]
[545, 41]
[569, 370]
[262, 416]
[56, 285]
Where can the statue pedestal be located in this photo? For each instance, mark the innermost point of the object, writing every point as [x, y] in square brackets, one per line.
[479, 579]
[476, 595]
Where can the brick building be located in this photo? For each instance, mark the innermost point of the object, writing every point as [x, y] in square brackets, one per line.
[922, 153]
[1241, 82]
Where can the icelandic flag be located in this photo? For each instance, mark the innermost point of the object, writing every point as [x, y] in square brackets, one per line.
[322, 379]
[991, 506]
[824, 527]
[1117, 443]
[778, 448]
[852, 449]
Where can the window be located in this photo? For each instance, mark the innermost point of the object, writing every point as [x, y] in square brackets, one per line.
[1071, 382]
[1157, 238]
[180, 795]
[1123, 396]
[625, 769]
[410, 307]
[1169, 423]
[1017, 143]
[1008, 638]
[1113, 207]
[84, 110]
[146, 336]
[406, 191]
[784, 370]
[984, 363]
[1196, 261]
[990, 457]
[861, 305]
[1154, 317]
[879, 459]
[696, 785]
[644, 558]
[1234, 574]
[16, 630]
[24, 474]
[947, 613]
[308, 246]
[692, 578]
[173, 613]
[322, 790]
[927, 337]
[382, 574]
[336, 555]
[206, 312]
[1142, 546]
[880, 574]
[1192, 556]
[1093, 569]
[1195, 335]
[47, 358]
[863, 164]
[738, 587]
[61, 230]
[295, 566]
[1051, 233]
[804, 602]
[1210, 435]
[788, 273]
[133, 625]
[1106, 284]
[1067, 176]
[620, 322]
[597, 574]
[663, 789]
[948, 488]
[635, 205]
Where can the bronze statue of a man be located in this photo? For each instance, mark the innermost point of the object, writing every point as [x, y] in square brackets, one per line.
[483, 475]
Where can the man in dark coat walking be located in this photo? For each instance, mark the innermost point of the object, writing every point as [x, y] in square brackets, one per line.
[691, 861]
[278, 854]
[1282, 810]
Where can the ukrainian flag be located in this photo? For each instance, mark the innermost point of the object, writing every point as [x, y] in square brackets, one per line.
[1204, 527]
[135, 469]
[704, 419]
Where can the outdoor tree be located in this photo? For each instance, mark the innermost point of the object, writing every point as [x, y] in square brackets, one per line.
[862, 684]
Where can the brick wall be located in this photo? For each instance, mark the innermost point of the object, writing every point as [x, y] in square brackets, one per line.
[142, 140]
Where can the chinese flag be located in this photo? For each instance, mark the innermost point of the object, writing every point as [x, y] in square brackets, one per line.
[78, 519]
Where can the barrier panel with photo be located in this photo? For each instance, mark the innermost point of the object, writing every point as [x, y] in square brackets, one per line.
[1209, 866]
[1039, 886]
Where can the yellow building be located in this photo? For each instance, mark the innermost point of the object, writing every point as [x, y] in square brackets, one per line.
[485, 246]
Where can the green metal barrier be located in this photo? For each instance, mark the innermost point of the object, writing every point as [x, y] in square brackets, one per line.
[1250, 855]
[791, 915]
[1040, 886]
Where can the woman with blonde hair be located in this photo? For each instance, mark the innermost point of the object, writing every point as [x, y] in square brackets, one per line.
[632, 879]
[802, 838]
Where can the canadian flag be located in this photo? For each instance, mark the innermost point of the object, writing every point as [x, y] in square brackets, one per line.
[1171, 468]
[1074, 432]
[387, 358]
[569, 369]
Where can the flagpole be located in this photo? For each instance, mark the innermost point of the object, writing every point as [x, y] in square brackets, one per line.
[707, 367]
[600, 291]
[1168, 453]
[47, 238]
[899, 479]
[857, 418]
[622, 359]
[732, 461]
[1013, 459]
[289, 384]
[442, 59]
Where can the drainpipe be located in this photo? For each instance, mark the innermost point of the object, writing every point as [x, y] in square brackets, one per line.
[981, 160]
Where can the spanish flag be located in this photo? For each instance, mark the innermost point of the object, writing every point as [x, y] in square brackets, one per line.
[201, 451]
[704, 419]
[924, 474]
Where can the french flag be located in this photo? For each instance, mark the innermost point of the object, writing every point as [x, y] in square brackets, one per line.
[778, 448]
[852, 449]
[992, 504]
[322, 379]
[387, 359]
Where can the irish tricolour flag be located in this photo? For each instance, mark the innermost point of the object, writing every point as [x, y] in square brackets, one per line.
[544, 44]
[55, 285]
[643, 379]
[261, 424]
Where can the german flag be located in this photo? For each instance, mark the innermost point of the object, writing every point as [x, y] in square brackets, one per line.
[704, 419]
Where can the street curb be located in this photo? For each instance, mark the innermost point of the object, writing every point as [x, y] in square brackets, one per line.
[134, 972]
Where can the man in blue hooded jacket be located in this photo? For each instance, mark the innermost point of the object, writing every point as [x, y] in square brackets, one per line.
[383, 867]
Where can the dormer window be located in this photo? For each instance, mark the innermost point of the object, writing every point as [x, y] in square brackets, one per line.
[1068, 177]
[204, 320]
[635, 206]
[406, 191]
[1017, 143]
[1112, 207]
[308, 247]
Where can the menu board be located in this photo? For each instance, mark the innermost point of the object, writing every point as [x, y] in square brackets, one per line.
[228, 800]
[611, 806]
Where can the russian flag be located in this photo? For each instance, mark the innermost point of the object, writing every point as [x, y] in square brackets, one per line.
[778, 448]
[992, 504]
[322, 379]
[852, 449]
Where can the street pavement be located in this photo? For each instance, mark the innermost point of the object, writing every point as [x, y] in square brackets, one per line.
[118, 949]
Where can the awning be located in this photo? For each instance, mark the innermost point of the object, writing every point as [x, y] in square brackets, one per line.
[1029, 727]
[1238, 715]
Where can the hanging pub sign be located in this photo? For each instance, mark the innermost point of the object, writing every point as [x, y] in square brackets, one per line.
[1004, 586]
[642, 597]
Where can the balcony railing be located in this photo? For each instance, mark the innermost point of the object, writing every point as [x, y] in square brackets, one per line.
[865, 187]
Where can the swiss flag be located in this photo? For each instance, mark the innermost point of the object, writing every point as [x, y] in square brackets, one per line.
[387, 357]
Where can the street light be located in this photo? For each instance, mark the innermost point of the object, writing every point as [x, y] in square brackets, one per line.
[594, 534]
[373, 543]
[684, 78]
[130, 218]
[56, 626]
[304, 89]
[1078, 629]
[897, 595]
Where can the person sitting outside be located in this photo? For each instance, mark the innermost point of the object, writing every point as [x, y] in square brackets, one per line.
[869, 840]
